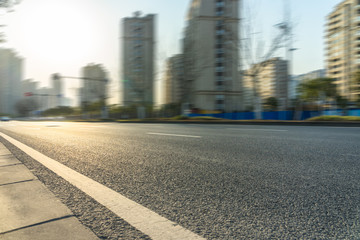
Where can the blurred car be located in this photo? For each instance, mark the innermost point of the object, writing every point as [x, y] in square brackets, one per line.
[5, 119]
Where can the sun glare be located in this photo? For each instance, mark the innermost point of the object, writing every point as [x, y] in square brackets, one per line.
[60, 30]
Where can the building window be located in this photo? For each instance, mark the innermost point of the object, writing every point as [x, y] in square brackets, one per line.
[137, 42]
[220, 3]
[219, 46]
[219, 13]
[219, 69]
[220, 55]
[219, 23]
[219, 83]
[219, 60]
[220, 51]
[220, 32]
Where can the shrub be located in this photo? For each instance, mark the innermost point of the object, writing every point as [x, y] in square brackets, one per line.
[334, 118]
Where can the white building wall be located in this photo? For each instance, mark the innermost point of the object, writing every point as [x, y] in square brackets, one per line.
[94, 83]
[138, 59]
[212, 30]
[11, 71]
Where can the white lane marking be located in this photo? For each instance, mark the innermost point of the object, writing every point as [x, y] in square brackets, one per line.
[351, 155]
[173, 135]
[32, 128]
[258, 129]
[342, 127]
[145, 220]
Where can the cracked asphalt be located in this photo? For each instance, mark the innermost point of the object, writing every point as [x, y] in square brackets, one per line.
[231, 182]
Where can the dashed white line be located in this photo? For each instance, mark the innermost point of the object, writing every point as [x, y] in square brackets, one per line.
[145, 220]
[351, 155]
[173, 135]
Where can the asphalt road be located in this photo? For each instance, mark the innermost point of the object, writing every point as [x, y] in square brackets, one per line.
[218, 181]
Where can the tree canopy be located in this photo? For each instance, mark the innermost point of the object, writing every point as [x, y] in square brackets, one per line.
[314, 89]
[271, 103]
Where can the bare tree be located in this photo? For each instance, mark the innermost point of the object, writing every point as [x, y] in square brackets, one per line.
[7, 6]
[255, 58]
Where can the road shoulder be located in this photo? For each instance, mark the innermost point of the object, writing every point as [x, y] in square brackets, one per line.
[29, 209]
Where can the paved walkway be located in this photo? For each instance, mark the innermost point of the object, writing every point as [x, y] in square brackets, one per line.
[29, 210]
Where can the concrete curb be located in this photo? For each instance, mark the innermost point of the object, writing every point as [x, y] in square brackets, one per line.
[30, 209]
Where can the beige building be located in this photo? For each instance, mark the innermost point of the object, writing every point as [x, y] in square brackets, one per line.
[211, 56]
[272, 80]
[11, 67]
[343, 46]
[174, 78]
[94, 83]
[138, 59]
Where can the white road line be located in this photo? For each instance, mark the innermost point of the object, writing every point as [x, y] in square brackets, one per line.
[173, 135]
[32, 128]
[258, 129]
[145, 220]
[351, 155]
[343, 127]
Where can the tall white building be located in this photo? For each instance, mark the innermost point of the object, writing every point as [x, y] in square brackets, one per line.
[95, 79]
[174, 78]
[272, 79]
[138, 59]
[11, 74]
[343, 44]
[211, 56]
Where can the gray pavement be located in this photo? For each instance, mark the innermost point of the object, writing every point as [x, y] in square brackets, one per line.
[218, 181]
[29, 210]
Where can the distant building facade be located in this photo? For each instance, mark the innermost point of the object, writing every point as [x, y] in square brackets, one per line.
[273, 82]
[211, 56]
[138, 59]
[343, 44]
[11, 74]
[29, 87]
[174, 78]
[95, 78]
[296, 80]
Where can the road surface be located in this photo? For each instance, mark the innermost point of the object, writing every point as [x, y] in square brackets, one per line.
[217, 181]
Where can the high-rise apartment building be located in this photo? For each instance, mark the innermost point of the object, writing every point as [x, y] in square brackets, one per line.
[138, 59]
[94, 83]
[211, 56]
[343, 46]
[272, 82]
[11, 67]
[174, 78]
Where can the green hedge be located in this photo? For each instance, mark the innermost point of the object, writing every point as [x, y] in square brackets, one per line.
[334, 118]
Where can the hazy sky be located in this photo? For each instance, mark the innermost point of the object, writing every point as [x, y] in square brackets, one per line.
[64, 35]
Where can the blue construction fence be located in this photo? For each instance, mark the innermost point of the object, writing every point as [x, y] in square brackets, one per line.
[280, 115]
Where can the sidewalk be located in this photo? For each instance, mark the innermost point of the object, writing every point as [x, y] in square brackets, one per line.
[29, 210]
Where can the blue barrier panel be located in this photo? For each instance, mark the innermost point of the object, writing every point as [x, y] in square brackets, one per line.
[277, 115]
[354, 112]
[270, 115]
[245, 116]
[333, 112]
[310, 114]
[285, 115]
